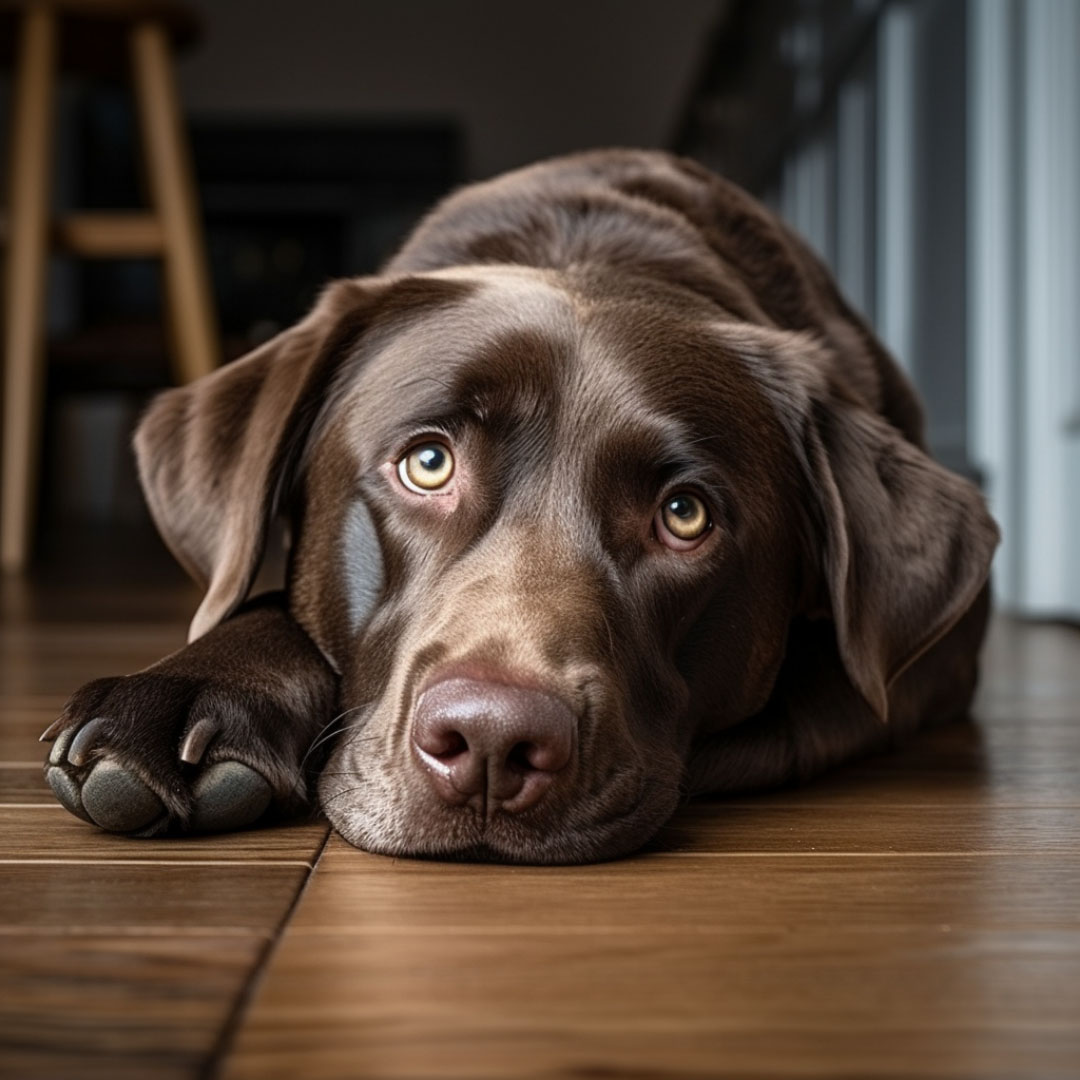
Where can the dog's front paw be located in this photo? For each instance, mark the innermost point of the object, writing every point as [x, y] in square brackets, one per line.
[153, 753]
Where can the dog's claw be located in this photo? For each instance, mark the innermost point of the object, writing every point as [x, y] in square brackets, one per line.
[229, 796]
[197, 740]
[58, 753]
[83, 742]
[118, 801]
[53, 730]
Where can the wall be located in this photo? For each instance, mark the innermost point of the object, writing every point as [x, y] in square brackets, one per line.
[525, 80]
[930, 151]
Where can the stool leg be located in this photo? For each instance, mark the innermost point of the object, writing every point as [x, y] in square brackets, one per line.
[173, 191]
[24, 288]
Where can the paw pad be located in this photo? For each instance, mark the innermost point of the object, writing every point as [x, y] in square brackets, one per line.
[226, 795]
[229, 795]
[119, 801]
[66, 791]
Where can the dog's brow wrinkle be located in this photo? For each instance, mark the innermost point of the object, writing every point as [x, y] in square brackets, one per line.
[419, 380]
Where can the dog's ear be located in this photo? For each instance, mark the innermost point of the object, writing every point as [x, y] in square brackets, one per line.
[216, 457]
[905, 544]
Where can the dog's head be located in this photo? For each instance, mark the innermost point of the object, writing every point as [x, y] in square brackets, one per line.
[549, 534]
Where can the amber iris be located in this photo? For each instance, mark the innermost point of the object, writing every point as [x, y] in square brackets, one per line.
[685, 516]
[426, 467]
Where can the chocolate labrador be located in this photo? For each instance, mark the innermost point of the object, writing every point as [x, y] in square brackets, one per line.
[599, 495]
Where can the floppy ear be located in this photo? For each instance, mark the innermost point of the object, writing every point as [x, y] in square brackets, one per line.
[217, 457]
[906, 544]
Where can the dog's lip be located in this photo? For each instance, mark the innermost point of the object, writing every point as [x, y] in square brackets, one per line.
[498, 840]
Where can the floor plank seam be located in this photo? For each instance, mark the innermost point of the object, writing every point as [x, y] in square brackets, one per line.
[100, 930]
[231, 1027]
[882, 854]
[156, 862]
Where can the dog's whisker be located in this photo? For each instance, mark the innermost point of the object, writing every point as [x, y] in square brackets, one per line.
[327, 735]
[312, 768]
[328, 731]
[341, 715]
[341, 795]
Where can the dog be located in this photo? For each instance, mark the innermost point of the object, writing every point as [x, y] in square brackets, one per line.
[599, 496]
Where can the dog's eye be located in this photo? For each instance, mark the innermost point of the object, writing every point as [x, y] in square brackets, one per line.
[682, 521]
[426, 467]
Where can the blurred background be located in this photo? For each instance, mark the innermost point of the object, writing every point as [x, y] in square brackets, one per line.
[928, 149]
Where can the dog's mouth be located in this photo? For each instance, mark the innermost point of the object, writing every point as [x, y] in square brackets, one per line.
[555, 798]
[603, 825]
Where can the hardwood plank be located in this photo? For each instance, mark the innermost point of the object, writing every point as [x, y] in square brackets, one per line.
[118, 958]
[911, 915]
[779, 1001]
[118, 1007]
[21, 730]
[860, 786]
[57, 671]
[22, 727]
[1022, 761]
[39, 834]
[151, 898]
[78, 592]
[747, 828]
[24, 783]
[826, 965]
[355, 894]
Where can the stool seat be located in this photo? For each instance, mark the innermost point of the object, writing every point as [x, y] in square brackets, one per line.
[111, 38]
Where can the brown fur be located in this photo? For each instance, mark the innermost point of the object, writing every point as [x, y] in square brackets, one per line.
[587, 333]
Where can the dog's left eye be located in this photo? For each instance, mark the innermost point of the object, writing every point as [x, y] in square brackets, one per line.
[427, 467]
[682, 521]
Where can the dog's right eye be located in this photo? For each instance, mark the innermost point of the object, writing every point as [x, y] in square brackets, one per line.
[427, 467]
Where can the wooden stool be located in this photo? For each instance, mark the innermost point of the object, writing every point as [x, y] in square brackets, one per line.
[94, 35]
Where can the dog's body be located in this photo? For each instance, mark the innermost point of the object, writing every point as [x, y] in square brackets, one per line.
[599, 494]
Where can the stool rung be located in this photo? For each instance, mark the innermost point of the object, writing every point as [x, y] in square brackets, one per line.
[104, 234]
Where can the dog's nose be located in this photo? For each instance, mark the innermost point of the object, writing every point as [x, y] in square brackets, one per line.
[490, 745]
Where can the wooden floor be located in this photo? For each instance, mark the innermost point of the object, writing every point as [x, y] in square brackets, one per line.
[914, 915]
